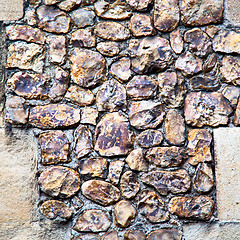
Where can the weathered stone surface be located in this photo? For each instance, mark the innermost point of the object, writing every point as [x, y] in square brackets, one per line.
[141, 25]
[30, 17]
[101, 192]
[211, 30]
[166, 15]
[52, 209]
[111, 96]
[200, 207]
[232, 94]
[55, 147]
[152, 206]
[145, 114]
[94, 167]
[83, 141]
[174, 127]
[210, 63]
[168, 181]
[11, 10]
[141, 87]
[198, 148]
[92, 221]
[129, 185]
[76, 203]
[53, 20]
[79, 96]
[199, 13]
[83, 17]
[68, 5]
[136, 161]
[134, 235]
[87, 236]
[139, 5]
[203, 82]
[236, 118]
[25, 33]
[88, 67]
[117, 10]
[149, 138]
[108, 49]
[115, 170]
[150, 54]
[199, 42]
[112, 31]
[203, 108]
[112, 235]
[54, 116]
[89, 116]
[166, 234]
[83, 38]
[59, 181]
[115, 138]
[227, 42]
[26, 56]
[176, 41]
[124, 213]
[51, 2]
[166, 156]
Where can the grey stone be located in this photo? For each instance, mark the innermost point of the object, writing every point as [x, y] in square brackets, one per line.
[232, 9]
[11, 10]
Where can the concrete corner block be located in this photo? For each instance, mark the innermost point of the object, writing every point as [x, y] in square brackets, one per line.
[11, 10]
[231, 12]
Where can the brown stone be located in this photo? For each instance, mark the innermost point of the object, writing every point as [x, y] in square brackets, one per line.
[145, 114]
[115, 138]
[51, 2]
[53, 20]
[174, 127]
[176, 41]
[134, 235]
[83, 38]
[129, 185]
[101, 192]
[211, 30]
[76, 203]
[141, 87]
[68, 5]
[210, 63]
[112, 31]
[88, 67]
[199, 13]
[203, 82]
[166, 234]
[149, 138]
[115, 170]
[54, 116]
[111, 96]
[139, 5]
[59, 181]
[202, 108]
[30, 17]
[55, 147]
[200, 207]
[108, 49]
[92, 221]
[53, 209]
[177, 181]
[89, 116]
[150, 54]
[231, 93]
[141, 25]
[236, 118]
[166, 15]
[83, 17]
[87, 236]
[112, 235]
[152, 206]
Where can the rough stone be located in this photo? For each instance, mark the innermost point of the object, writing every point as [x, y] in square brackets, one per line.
[134, 235]
[139, 5]
[76, 203]
[115, 170]
[30, 16]
[83, 38]
[232, 94]
[168, 234]
[231, 11]
[87, 236]
[108, 49]
[89, 116]
[83, 17]
[204, 83]
[11, 10]
[149, 138]
[176, 41]
[211, 30]
[112, 235]
[210, 63]
[68, 5]
[51, 2]
[236, 118]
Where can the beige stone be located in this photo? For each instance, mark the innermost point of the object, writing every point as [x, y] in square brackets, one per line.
[232, 9]
[11, 10]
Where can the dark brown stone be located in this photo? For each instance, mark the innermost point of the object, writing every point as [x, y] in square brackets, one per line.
[139, 5]
[112, 235]
[236, 119]
[165, 234]
[108, 49]
[134, 235]
[203, 82]
[83, 17]
[210, 63]
[149, 138]
[115, 170]
[83, 38]
[176, 41]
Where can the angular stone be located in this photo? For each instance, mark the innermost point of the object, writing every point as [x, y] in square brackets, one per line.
[149, 138]
[101, 192]
[150, 54]
[92, 221]
[25, 33]
[55, 147]
[87, 236]
[83, 141]
[236, 118]
[79, 96]
[129, 185]
[83, 17]
[141, 87]
[94, 167]
[112, 235]
[54, 116]
[145, 114]
[198, 148]
[152, 206]
[176, 41]
[89, 116]
[174, 127]
[166, 15]
[115, 138]
[136, 161]
[29, 86]
[199, 42]
[76, 203]
[202, 108]
[59, 181]
[139, 5]
[111, 96]
[112, 31]
[166, 234]
[121, 69]
[203, 82]
[53, 20]
[115, 170]
[51, 2]
[108, 49]
[117, 10]
[124, 213]
[232, 94]
[199, 13]
[68, 5]
[227, 42]
[211, 30]
[53, 209]
[88, 67]
[30, 17]
[188, 64]
[166, 156]
[26, 56]
[134, 235]
[83, 38]
[177, 181]
[141, 25]
[200, 207]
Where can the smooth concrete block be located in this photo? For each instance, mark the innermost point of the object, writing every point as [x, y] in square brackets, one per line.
[11, 10]
[232, 10]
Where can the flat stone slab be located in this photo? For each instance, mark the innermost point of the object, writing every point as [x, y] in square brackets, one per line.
[232, 10]
[227, 157]
[11, 10]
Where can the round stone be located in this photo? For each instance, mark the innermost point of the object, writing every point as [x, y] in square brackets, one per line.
[108, 49]
[134, 235]
[166, 234]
